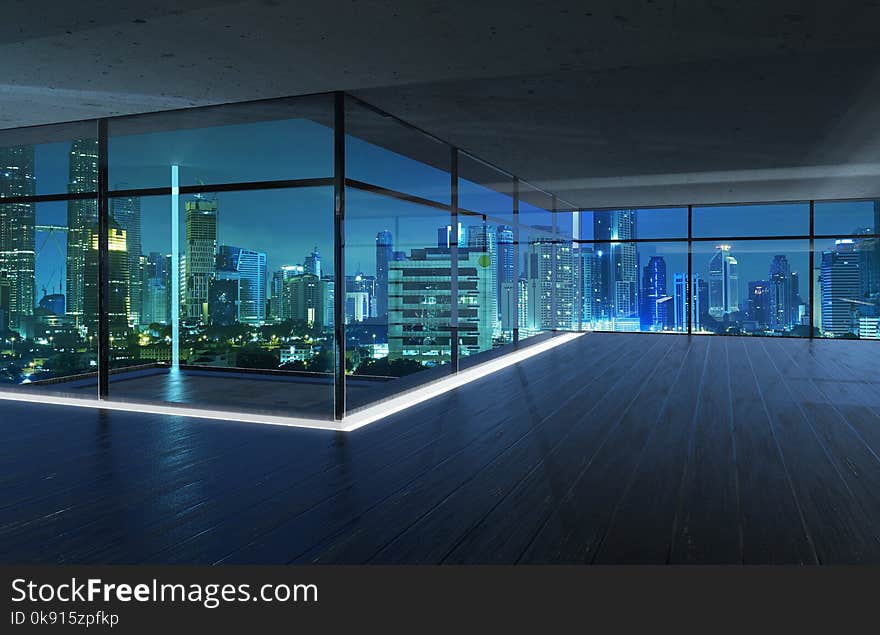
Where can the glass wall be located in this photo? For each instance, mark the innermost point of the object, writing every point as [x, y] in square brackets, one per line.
[488, 312]
[48, 275]
[751, 269]
[216, 284]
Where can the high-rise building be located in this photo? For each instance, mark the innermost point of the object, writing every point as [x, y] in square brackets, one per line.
[156, 287]
[224, 296]
[118, 309]
[384, 255]
[587, 280]
[82, 216]
[618, 295]
[360, 297]
[723, 283]
[841, 283]
[539, 274]
[304, 299]
[782, 309]
[277, 308]
[444, 237]
[251, 267]
[312, 263]
[483, 239]
[5, 289]
[760, 306]
[126, 211]
[680, 299]
[17, 239]
[505, 270]
[700, 309]
[654, 314]
[199, 256]
[419, 305]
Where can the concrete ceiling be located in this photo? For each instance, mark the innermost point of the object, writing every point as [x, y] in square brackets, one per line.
[605, 103]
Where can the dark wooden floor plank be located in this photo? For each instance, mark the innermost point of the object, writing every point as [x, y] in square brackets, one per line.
[577, 528]
[837, 527]
[440, 527]
[772, 524]
[641, 527]
[611, 448]
[708, 525]
[506, 533]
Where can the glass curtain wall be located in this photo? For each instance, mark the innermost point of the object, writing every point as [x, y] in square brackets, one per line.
[260, 257]
[800, 269]
[48, 293]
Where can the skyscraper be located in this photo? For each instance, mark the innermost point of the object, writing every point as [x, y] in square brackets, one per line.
[304, 299]
[654, 299]
[761, 307]
[723, 283]
[118, 308]
[224, 295]
[384, 255]
[782, 309]
[251, 267]
[278, 309]
[126, 211]
[82, 216]
[199, 256]
[312, 263]
[538, 273]
[156, 285]
[505, 269]
[679, 302]
[618, 295]
[483, 239]
[17, 240]
[840, 279]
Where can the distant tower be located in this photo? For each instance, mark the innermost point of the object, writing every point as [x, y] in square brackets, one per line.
[118, 308]
[126, 211]
[384, 255]
[654, 310]
[17, 243]
[781, 296]
[760, 303]
[679, 302]
[618, 288]
[482, 239]
[200, 252]
[723, 283]
[251, 268]
[312, 263]
[840, 279]
[82, 216]
[504, 241]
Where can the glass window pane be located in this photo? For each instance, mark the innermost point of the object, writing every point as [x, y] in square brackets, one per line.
[255, 300]
[757, 287]
[398, 294]
[647, 223]
[484, 190]
[847, 288]
[382, 151]
[48, 297]
[846, 218]
[283, 139]
[778, 219]
[631, 287]
[56, 159]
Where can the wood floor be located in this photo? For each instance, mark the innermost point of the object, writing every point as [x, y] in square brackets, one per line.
[614, 448]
